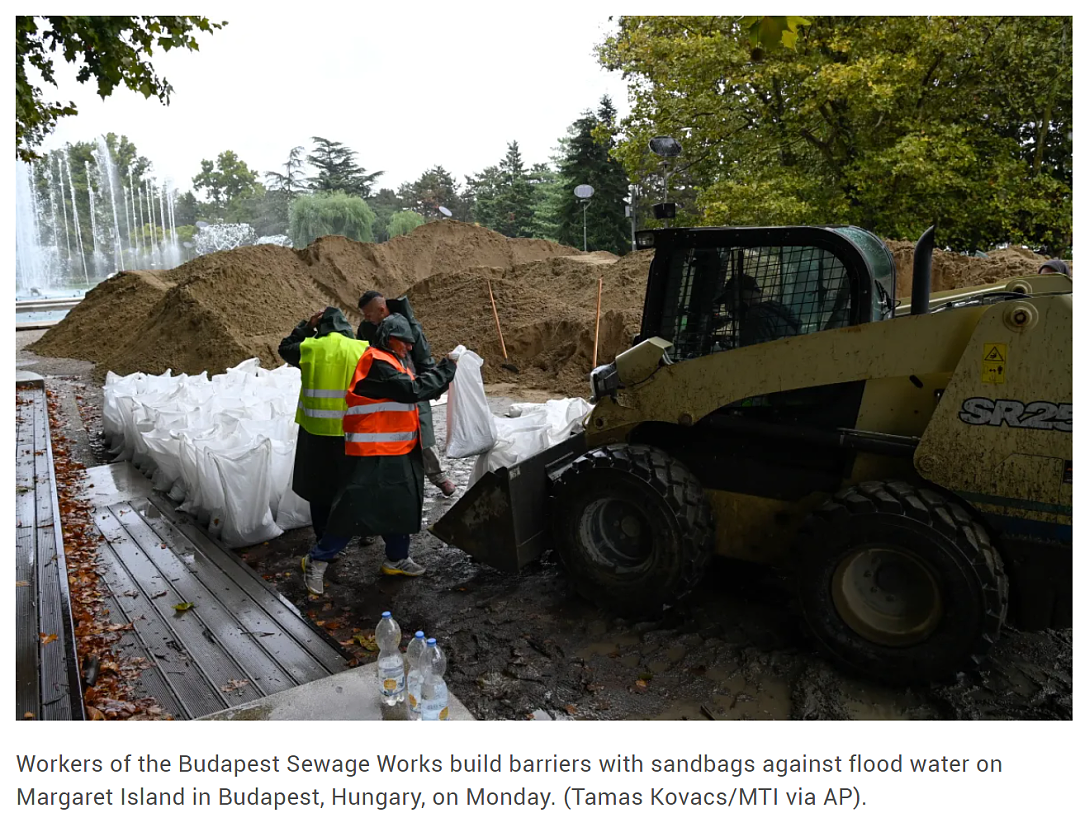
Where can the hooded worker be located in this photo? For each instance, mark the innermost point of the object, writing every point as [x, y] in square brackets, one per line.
[375, 307]
[383, 493]
[1054, 265]
[326, 352]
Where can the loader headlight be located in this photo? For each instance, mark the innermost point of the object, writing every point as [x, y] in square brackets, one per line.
[645, 240]
[604, 380]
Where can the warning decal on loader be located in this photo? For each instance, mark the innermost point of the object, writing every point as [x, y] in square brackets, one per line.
[993, 363]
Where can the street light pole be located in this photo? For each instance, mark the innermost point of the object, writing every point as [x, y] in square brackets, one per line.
[583, 192]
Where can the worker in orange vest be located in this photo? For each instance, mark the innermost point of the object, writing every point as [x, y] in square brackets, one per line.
[383, 492]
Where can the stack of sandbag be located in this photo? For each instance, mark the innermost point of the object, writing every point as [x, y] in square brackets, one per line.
[531, 428]
[222, 446]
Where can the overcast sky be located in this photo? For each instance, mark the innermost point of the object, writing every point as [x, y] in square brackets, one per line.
[406, 87]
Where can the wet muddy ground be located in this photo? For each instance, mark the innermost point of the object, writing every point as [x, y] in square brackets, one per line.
[525, 646]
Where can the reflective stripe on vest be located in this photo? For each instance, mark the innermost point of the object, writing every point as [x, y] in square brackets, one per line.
[378, 437]
[327, 363]
[376, 427]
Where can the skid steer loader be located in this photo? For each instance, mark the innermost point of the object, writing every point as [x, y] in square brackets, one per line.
[908, 463]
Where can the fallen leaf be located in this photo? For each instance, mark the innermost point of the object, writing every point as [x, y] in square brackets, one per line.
[183, 606]
[367, 642]
[28, 715]
[47, 638]
[235, 684]
[94, 714]
[158, 595]
[570, 709]
[641, 683]
[21, 583]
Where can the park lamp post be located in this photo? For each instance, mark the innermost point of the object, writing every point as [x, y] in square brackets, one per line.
[584, 192]
[667, 148]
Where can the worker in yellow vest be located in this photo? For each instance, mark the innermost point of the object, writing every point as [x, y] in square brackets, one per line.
[384, 491]
[326, 352]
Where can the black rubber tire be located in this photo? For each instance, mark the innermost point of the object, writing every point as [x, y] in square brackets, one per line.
[680, 530]
[944, 538]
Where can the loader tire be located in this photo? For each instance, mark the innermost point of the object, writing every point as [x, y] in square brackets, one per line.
[632, 526]
[900, 584]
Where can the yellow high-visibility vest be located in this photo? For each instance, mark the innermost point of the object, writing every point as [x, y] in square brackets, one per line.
[327, 364]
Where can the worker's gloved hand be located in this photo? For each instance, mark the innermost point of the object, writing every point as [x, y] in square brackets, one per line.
[457, 352]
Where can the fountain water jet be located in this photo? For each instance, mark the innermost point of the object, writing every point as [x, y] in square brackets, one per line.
[30, 270]
[107, 171]
[75, 216]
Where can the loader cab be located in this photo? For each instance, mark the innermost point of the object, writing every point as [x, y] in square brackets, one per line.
[713, 289]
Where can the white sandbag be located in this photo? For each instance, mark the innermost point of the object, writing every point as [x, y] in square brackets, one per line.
[532, 428]
[470, 426]
[245, 481]
[516, 439]
[293, 510]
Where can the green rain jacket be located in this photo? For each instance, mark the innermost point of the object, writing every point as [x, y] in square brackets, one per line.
[421, 358]
[385, 494]
[320, 464]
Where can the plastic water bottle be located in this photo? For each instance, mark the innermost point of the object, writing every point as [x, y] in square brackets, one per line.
[414, 677]
[434, 704]
[391, 666]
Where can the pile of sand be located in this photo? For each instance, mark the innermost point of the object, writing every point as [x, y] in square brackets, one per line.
[951, 271]
[547, 311]
[219, 309]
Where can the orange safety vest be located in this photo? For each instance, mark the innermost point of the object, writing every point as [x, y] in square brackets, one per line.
[375, 426]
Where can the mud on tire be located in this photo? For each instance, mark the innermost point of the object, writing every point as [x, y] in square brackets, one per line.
[941, 541]
[633, 527]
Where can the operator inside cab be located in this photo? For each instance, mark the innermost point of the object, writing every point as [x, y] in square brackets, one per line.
[755, 319]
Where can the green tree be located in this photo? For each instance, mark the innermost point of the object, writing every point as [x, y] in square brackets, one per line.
[186, 210]
[226, 182]
[384, 204]
[404, 221]
[292, 181]
[113, 50]
[338, 169]
[505, 196]
[587, 160]
[325, 214]
[548, 186]
[282, 188]
[891, 123]
[481, 192]
[435, 188]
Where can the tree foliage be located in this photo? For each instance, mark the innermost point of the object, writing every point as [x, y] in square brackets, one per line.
[587, 160]
[338, 169]
[226, 182]
[404, 221]
[505, 196]
[891, 123]
[112, 50]
[324, 214]
[435, 188]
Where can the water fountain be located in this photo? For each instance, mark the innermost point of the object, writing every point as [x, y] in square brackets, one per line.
[75, 215]
[90, 248]
[106, 172]
[31, 272]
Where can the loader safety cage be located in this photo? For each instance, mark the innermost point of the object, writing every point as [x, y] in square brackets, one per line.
[712, 289]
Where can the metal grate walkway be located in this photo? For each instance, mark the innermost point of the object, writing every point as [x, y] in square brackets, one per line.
[239, 641]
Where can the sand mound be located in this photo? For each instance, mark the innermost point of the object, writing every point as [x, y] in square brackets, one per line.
[547, 311]
[217, 310]
[952, 271]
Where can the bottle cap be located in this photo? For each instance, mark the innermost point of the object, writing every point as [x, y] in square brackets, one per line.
[386, 614]
[431, 640]
[419, 634]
